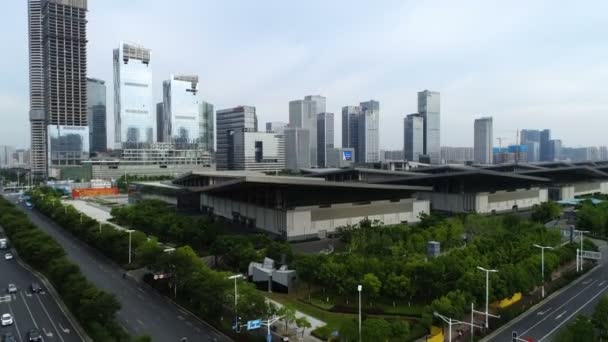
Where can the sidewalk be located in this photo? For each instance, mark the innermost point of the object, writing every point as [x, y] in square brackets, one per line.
[92, 211]
[315, 323]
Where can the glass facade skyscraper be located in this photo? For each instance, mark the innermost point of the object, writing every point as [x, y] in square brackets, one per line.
[368, 137]
[483, 137]
[413, 137]
[230, 122]
[96, 99]
[181, 107]
[303, 114]
[430, 109]
[134, 114]
[325, 137]
[207, 126]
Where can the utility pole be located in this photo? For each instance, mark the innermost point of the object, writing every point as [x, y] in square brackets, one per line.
[579, 255]
[487, 291]
[542, 251]
[451, 322]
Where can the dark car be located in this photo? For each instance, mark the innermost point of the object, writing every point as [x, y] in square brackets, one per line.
[34, 336]
[36, 288]
[8, 337]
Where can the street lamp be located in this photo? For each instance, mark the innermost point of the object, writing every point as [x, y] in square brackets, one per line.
[129, 231]
[579, 255]
[359, 289]
[487, 290]
[542, 267]
[451, 322]
[236, 316]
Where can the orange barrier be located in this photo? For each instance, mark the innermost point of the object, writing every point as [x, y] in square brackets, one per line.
[436, 335]
[508, 301]
[93, 192]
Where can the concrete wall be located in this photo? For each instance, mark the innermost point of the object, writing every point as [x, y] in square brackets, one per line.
[583, 188]
[483, 203]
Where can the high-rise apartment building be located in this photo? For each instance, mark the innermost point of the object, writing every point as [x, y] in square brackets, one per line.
[229, 122]
[97, 115]
[430, 109]
[325, 137]
[134, 114]
[181, 106]
[413, 137]
[368, 137]
[303, 114]
[297, 153]
[207, 126]
[483, 138]
[545, 146]
[58, 84]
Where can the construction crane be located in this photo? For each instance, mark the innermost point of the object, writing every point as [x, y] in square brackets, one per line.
[500, 140]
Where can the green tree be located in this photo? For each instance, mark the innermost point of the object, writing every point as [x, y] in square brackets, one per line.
[600, 317]
[376, 329]
[400, 330]
[581, 330]
[371, 285]
[546, 212]
[304, 323]
[349, 331]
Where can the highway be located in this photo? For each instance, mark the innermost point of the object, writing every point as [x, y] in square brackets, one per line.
[144, 312]
[31, 310]
[544, 322]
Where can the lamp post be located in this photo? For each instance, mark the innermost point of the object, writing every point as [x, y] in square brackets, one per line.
[451, 322]
[542, 267]
[236, 316]
[359, 289]
[487, 290]
[579, 255]
[130, 231]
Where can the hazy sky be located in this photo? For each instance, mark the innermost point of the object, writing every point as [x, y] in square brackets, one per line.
[529, 64]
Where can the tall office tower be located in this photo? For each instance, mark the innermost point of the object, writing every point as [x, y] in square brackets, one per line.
[58, 84]
[413, 137]
[160, 122]
[350, 126]
[533, 151]
[368, 136]
[303, 114]
[483, 140]
[603, 153]
[555, 150]
[276, 127]
[257, 151]
[207, 126]
[135, 122]
[430, 109]
[529, 135]
[297, 153]
[96, 99]
[229, 122]
[181, 107]
[7, 156]
[545, 145]
[325, 137]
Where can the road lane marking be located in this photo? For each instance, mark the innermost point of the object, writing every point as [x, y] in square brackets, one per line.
[65, 330]
[587, 281]
[574, 313]
[601, 284]
[561, 306]
[50, 319]
[540, 313]
[560, 315]
[28, 310]
[10, 307]
[47, 333]
[140, 322]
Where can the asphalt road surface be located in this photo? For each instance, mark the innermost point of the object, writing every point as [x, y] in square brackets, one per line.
[31, 310]
[144, 312]
[544, 323]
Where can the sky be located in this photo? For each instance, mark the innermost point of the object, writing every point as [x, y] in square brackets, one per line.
[528, 64]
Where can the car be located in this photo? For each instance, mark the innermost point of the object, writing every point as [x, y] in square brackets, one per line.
[8, 256]
[35, 287]
[6, 319]
[8, 337]
[34, 336]
[12, 288]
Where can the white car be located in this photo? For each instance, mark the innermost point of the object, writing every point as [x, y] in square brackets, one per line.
[8, 256]
[12, 288]
[6, 319]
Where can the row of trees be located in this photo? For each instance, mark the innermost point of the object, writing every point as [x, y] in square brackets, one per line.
[593, 218]
[588, 329]
[205, 291]
[94, 308]
[391, 264]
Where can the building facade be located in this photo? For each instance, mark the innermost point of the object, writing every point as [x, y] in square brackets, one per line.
[134, 115]
[160, 122]
[229, 121]
[297, 154]
[207, 126]
[430, 108]
[350, 126]
[368, 137]
[413, 137]
[257, 151]
[483, 140]
[325, 137]
[341, 157]
[456, 155]
[97, 115]
[545, 145]
[303, 114]
[181, 107]
[276, 127]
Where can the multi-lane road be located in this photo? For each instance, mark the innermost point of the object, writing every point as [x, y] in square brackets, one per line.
[143, 312]
[31, 310]
[544, 322]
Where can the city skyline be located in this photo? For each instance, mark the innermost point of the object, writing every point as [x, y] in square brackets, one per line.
[553, 91]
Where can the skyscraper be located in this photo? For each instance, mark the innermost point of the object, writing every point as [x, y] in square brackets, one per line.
[529, 135]
[430, 109]
[325, 137]
[483, 140]
[96, 99]
[303, 114]
[350, 126]
[545, 145]
[58, 84]
[181, 107]
[276, 126]
[207, 126]
[134, 115]
[413, 137]
[160, 122]
[297, 154]
[555, 150]
[229, 122]
[368, 137]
